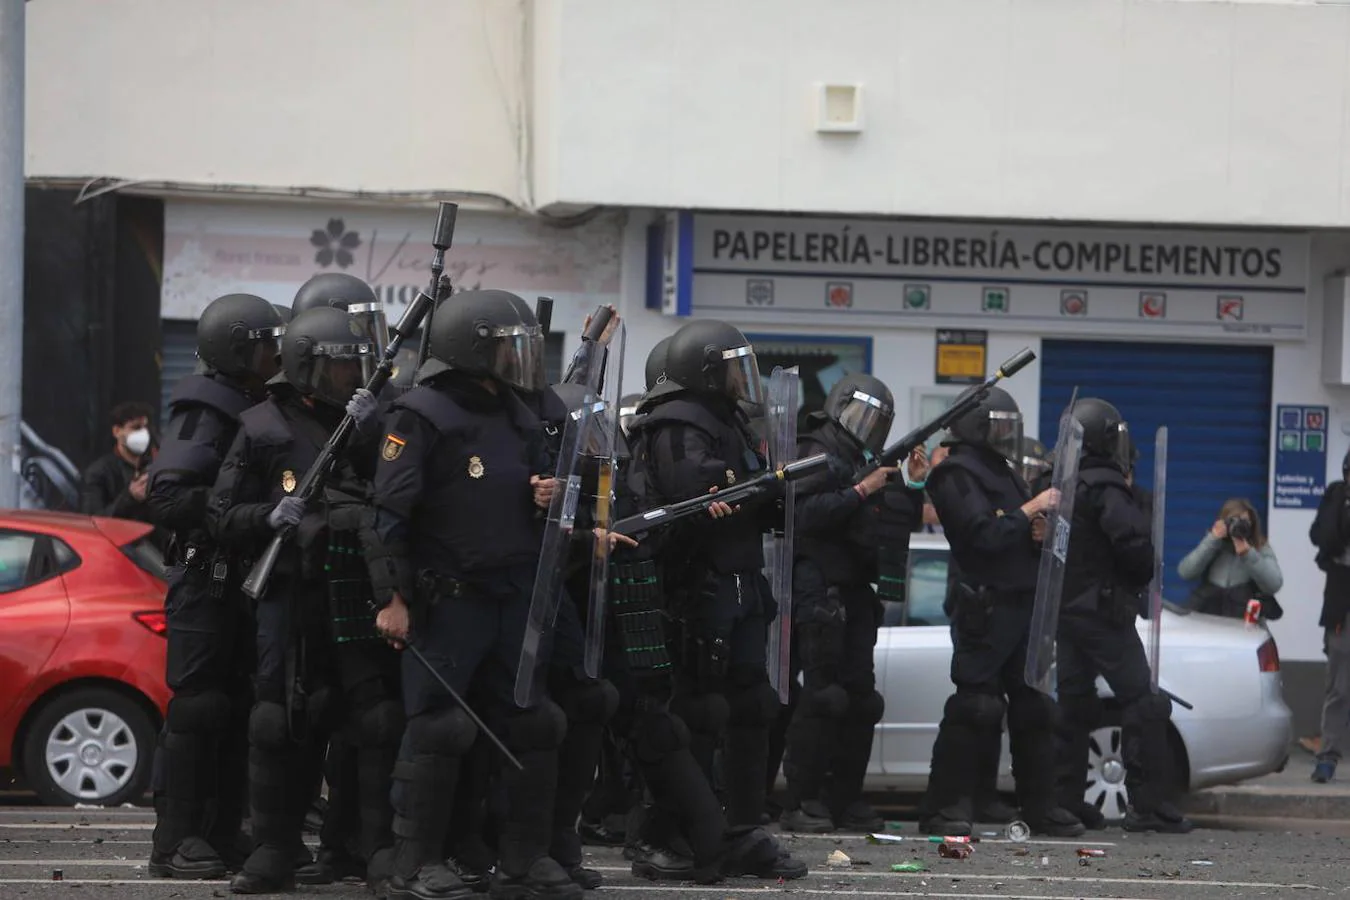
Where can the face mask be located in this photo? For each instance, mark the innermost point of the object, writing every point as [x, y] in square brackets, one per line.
[138, 441]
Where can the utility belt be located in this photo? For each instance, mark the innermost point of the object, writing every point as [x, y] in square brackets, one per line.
[974, 605]
[1118, 606]
[212, 562]
[639, 619]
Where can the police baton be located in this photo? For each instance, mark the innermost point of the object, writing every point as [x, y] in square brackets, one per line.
[468, 710]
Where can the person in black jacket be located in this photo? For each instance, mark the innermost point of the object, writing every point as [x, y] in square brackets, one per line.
[115, 484]
[297, 681]
[1109, 566]
[691, 443]
[987, 513]
[202, 752]
[846, 519]
[1330, 534]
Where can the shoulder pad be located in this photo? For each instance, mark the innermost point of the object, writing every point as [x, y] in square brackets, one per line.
[683, 411]
[1101, 476]
[265, 423]
[199, 389]
[437, 407]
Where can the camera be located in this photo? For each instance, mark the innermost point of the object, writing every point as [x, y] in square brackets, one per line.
[1238, 528]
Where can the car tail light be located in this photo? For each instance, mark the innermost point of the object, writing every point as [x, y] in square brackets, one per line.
[1268, 656]
[153, 619]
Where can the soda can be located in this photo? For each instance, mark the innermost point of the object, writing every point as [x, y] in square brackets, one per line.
[1090, 851]
[1018, 831]
[1253, 612]
[954, 851]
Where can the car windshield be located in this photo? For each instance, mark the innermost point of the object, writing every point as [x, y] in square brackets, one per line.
[146, 556]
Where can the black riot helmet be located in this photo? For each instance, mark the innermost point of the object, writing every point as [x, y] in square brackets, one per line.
[284, 312]
[487, 334]
[327, 355]
[239, 336]
[996, 423]
[1105, 434]
[1035, 461]
[714, 357]
[864, 407]
[347, 292]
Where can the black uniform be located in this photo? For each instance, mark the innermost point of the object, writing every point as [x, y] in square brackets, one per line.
[978, 498]
[302, 692]
[202, 754]
[837, 615]
[1109, 566]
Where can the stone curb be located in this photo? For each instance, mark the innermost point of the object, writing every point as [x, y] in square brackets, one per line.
[1257, 802]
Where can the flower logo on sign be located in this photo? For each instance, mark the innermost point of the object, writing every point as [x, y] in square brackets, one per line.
[335, 244]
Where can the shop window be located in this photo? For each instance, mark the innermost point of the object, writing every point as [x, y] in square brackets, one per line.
[820, 361]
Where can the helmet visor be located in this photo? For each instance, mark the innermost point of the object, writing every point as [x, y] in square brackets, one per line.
[1033, 468]
[1005, 434]
[518, 356]
[339, 369]
[740, 375]
[1120, 448]
[370, 319]
[867, 418]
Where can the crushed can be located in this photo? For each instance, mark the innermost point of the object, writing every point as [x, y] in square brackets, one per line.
[1091, 852]
[1018, 831]
[58, 875]
[954, 851]
[1253, 614]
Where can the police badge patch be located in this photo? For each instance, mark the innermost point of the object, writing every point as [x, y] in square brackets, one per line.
[288, 481]
[393, 446]
[475, 467]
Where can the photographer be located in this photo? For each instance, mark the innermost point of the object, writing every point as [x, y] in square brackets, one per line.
[1234, 564]
[115, 483]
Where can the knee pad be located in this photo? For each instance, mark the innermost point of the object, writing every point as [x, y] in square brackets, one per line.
[1030, 710]
[590, 702]
[1148, 708]
[866, 708]
[381, 724]
[830, 702]
[703, 713]
[191, 713]
[447, 731]
[540, 728]
[658, 735]
[1084, 712]
[753, 706]
[974, 709]
[267, 726]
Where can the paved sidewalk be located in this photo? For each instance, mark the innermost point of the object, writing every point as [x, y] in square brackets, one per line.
[1290, 794]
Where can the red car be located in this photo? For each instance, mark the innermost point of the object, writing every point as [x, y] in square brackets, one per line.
[82, 646]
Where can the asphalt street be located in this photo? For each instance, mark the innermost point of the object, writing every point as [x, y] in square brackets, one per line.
[102, 853]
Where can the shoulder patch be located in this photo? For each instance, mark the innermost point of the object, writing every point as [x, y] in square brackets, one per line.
[393, 447]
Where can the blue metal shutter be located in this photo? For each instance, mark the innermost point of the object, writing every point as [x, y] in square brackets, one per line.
[177, 359]
[1215, 401]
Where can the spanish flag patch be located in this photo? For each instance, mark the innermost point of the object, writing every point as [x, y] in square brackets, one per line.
[393, 446]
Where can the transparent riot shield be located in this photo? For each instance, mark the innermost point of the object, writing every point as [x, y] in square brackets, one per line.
[1155, 589]
[605, 440]
[781, 429]
[1040, 668]
[558, 533]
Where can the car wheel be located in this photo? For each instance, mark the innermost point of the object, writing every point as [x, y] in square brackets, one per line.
[1106, 773]
[90, 745]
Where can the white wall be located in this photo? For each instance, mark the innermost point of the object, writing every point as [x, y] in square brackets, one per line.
[395, 96]
[1125, 110]
[1298, 379]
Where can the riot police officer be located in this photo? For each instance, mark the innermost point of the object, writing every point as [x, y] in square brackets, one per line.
[1034, 465]
[453, 543]
[692, 442]
[986, 511]
[846, 519]
[201, 759]
[324, 367]
[1108, 569]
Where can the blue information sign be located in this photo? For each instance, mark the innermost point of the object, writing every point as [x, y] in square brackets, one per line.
[1300, 456]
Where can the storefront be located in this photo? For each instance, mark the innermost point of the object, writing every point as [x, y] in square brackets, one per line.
[212, 249]
[1215, 334]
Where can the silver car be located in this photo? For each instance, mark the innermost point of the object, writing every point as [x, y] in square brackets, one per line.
[1229, 671]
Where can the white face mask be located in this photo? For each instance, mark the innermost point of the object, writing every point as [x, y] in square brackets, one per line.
[138, 441]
